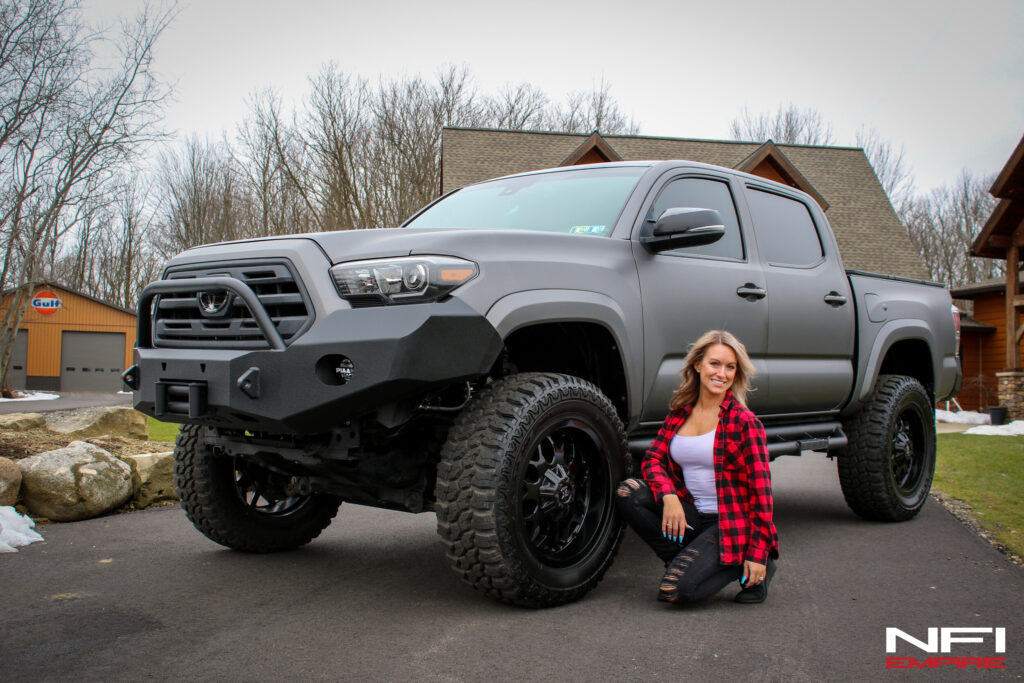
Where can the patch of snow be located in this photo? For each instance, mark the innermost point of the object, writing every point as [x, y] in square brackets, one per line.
[16, 530]
[1015, 428]
[33, 396]
[963, 417]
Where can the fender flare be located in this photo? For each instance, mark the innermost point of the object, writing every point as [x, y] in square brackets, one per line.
[888, 335]
[539, 306]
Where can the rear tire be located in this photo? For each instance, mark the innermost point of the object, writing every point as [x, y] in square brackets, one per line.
[886, 469]
[242, 505]
[525, 489]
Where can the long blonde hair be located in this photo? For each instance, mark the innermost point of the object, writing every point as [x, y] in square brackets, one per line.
[689, 390]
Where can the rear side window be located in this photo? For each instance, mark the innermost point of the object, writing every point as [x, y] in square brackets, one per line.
[703, 193]
[786, 234]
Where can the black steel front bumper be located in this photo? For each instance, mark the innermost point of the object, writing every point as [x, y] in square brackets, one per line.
[348, 363]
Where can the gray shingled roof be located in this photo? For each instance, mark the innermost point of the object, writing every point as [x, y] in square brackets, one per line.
[867, 229]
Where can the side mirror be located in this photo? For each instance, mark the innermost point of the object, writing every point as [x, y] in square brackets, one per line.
[683, 227]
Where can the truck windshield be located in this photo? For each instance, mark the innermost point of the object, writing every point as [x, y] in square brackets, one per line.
[579, 201]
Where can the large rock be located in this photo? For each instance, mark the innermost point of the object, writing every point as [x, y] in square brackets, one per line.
[152, 477]
[20, 422]
[118, 421]
[76, 482]
[10, 482]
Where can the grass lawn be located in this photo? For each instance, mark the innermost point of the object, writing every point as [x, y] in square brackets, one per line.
[987, 472]
[162, 431]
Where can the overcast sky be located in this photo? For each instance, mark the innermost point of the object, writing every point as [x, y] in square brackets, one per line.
[945, 79]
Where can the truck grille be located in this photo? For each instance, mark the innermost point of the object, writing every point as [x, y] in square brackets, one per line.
[179, 321]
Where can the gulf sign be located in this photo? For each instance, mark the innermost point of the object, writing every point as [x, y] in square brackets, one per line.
[46, 303]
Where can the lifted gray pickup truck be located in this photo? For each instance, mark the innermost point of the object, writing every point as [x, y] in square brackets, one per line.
[498, 357]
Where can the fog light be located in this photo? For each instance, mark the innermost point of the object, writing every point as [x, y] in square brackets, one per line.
[344, 370]
[335, 370]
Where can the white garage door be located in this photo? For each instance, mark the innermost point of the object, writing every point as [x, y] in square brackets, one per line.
[91, 361]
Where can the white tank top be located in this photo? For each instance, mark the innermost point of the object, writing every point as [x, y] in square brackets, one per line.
[696, 455]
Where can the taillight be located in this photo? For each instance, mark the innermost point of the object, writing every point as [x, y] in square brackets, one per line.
[956, 327]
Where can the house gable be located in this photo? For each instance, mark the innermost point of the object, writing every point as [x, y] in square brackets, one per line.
[594, 150]
[1005, 227]
[768, 161]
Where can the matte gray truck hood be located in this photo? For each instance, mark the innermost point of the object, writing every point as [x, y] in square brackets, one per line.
[351, 245]
[488, 245]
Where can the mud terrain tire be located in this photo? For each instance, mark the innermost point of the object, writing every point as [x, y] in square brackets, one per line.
[242, 505]
[886, 469]
[525, 486]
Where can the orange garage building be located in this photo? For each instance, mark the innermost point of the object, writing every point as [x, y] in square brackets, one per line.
[70, 341]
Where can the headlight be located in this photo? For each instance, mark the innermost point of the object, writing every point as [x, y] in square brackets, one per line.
[414, 279]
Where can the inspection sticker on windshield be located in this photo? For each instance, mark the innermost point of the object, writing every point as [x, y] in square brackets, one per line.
[587, 229]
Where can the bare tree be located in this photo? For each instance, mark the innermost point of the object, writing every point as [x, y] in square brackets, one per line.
[407, 125]
[892, 169]
[943, 224]
[76, 268]
[199, 199]
[270, 164]
[521, 107]
[584, 112]
[354, 155]
[335, 136]
[127, 259]
[362, 157]
[73, 125]
[789, 125]
[408, 118]
[111, 255]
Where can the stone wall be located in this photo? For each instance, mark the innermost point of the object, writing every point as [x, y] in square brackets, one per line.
[1011, 394]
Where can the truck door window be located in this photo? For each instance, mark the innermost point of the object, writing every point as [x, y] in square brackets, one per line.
[703, 193]
[786, 234]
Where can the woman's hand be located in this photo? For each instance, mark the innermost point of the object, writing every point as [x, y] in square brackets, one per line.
[673, 519]
[753, 573]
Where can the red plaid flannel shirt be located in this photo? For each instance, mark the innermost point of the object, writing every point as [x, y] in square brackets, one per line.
[742, 479]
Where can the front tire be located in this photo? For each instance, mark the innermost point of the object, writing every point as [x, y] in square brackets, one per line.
[886, 469]
[525, 489]
[242, 505]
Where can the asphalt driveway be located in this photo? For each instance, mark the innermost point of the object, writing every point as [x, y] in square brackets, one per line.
[67, 401]
[144, 596]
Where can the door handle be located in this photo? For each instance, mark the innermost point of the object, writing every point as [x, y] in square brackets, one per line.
[751, 292]
[835, 299]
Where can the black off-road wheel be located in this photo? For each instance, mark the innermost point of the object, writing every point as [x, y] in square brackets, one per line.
[242, 505]
[886, 469]
[525, 487]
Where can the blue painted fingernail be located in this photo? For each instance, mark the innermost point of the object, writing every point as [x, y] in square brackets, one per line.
[689, 527]
[743, 580]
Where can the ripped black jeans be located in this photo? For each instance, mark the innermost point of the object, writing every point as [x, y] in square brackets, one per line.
[692, 569]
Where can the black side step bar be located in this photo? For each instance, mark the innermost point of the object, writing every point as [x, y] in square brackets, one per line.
[821, 437]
